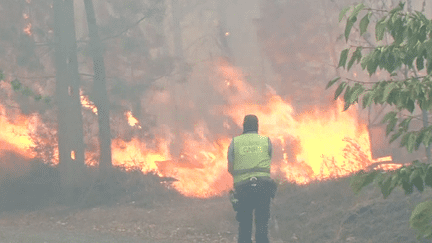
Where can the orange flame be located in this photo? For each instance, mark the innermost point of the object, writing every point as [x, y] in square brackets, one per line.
[321, 144]
[313, 145]
[200, 171]
[308, 146]
[27, 29]
[16, 135]
[133, 122]
[86, 103]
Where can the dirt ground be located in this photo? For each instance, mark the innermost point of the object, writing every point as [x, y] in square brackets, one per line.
[320, 212]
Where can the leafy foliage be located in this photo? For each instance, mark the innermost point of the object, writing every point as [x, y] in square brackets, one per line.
[421, 218]
[411, 49]
[17, 86]
[408, 60]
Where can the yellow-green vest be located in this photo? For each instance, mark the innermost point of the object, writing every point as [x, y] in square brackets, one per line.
[251, 157]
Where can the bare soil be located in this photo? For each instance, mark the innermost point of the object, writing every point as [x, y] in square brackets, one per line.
[320, 212]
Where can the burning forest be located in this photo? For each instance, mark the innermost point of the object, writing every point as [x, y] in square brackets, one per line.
[309, 146]
[178, 129]
[133, 105]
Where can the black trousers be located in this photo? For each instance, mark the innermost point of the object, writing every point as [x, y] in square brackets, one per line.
[254, 197]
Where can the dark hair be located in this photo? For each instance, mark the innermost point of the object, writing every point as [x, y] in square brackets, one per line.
[250, 123]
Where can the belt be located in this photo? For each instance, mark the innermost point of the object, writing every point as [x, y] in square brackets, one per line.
[253, 180]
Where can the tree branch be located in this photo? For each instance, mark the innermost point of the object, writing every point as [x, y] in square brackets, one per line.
[124, 31]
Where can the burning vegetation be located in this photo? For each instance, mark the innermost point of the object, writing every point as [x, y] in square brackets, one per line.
[310, 145]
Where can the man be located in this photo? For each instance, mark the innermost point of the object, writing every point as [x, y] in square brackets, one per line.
[249, 159]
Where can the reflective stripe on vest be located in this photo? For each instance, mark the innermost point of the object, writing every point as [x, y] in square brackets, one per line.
[251, 157]
[244, 171]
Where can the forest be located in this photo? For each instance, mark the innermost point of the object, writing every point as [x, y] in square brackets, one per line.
[116, 117]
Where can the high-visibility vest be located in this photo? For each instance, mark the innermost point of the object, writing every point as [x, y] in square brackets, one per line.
[251, 157]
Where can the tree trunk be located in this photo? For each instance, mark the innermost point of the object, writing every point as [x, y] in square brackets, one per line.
[69, 117]
[176, 12]
[76, 137]
[100, 92]
[61, 92]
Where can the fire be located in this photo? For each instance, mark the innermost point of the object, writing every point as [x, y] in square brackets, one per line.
[200, 171]
[86, 103]
[309, 145]
[315, 145]
[134, 154]
[133, 122]
[16, 135]
[27, 29]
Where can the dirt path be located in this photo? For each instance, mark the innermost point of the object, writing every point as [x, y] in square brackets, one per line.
[31, 235]
[194, 221]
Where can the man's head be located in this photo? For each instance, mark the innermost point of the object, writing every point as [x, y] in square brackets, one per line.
[250, 123]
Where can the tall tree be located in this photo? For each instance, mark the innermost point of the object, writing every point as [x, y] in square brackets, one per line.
[76, 140]
[176, 12]
[100, 91]
[69, 117]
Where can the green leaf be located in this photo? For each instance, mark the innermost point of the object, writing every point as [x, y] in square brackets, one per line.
[380, 28]
[411, 142]
[404, 125]
[27, 91]
[46, 99]
[389, 116]
[419, 140]
[398, 31]
[395, 136]
[420, 63]
[422, 34]
[38, 97]
[428, 176]
[410, 105]
[347, 96]
[397, 9]
[16, 84]
[408, 187]
[349, 25]
[355, 92]
[385, 186]
[427, 137]
[343, 58]
[331, 82]
[355, 57]
[367, 99]
[2, 76]
[373, 61]
[414, 174]
[343, 12]
[361, 180]
[421, 218]
[365, 61]
[390, 126]
[339, 90]
[418, 183]
[357, 10]
[364, 22]
[388, 88]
